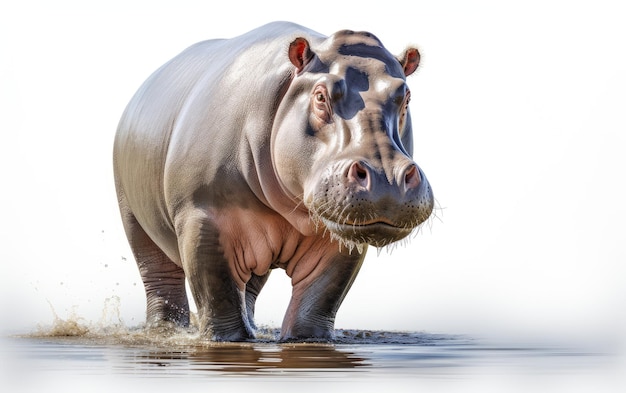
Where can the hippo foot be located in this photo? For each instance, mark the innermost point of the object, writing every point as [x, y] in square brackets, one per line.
[229, 329]
[239, 335]
[167, 329]
[308, 332]
[306, 340]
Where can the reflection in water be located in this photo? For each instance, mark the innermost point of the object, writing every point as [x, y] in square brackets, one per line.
[350, 351]
[252, 359]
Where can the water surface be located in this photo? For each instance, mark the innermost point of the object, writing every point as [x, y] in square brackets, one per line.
[121, 359]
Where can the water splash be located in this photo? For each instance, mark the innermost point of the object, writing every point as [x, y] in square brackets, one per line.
[74, 326]
[110, 329]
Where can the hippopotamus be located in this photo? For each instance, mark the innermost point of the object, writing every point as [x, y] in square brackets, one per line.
[280, 148]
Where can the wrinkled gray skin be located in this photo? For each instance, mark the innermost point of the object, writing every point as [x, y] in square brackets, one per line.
[281, 148]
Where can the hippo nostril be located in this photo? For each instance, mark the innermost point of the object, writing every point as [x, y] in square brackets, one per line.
[359, 174]
[412, 177]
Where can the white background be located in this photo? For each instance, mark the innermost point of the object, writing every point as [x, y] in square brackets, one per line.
[519, 115]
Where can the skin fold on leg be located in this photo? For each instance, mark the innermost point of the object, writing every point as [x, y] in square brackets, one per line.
[314, 304]
[163, 280]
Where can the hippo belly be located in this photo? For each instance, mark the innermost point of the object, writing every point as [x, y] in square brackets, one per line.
[280, 148]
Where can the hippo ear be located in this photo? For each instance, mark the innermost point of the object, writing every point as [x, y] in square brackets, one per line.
[409, 60]
[300, 53]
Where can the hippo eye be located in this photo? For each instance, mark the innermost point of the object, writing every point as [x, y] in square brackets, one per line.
[321, 106]
[403, 111]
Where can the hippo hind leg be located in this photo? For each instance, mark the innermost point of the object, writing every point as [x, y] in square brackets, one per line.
[163, 280]
[253, 288]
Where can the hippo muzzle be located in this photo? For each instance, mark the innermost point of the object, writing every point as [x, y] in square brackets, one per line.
[360, 204]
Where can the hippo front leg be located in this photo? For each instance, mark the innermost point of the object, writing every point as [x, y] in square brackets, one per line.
[221, 304]
[316, 299]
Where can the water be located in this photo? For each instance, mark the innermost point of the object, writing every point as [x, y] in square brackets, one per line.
[70, 357]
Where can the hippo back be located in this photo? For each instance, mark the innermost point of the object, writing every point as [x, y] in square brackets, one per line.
[190, 117]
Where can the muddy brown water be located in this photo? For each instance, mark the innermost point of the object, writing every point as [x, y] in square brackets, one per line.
[73, 358]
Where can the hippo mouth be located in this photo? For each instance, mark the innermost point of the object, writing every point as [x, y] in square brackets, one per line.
[377, 233]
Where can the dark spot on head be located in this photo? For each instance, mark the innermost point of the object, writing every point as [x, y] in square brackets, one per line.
[392, 66]
[357, 79]
[351, 101]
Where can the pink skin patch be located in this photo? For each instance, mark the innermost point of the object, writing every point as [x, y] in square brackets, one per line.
[252, 241]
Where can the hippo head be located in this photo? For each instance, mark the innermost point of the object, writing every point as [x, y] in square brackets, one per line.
[342, 140]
